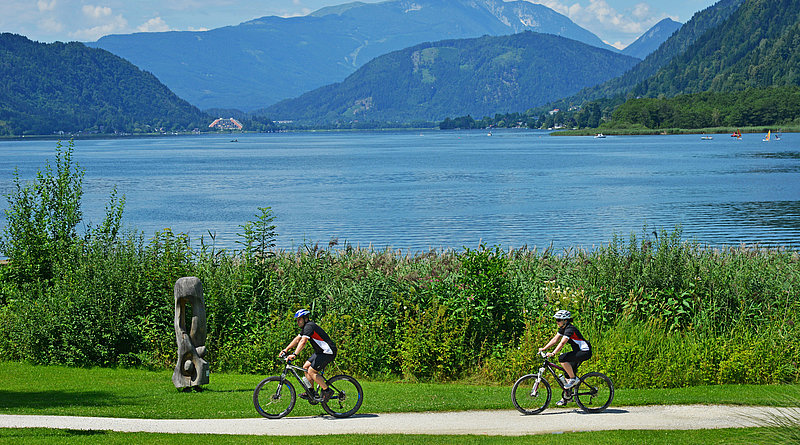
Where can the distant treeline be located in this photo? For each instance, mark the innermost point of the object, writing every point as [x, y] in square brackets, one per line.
[753, 107]
[589, 116]
[750, 108]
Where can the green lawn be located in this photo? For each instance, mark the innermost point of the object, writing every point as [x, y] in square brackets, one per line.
[56, 390]
[720, 436]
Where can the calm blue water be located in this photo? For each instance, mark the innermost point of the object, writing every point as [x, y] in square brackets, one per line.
[418, 191]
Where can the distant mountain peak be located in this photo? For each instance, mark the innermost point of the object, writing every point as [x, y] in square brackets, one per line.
[652, 38]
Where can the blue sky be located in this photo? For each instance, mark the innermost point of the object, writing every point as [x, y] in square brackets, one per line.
[618, 22]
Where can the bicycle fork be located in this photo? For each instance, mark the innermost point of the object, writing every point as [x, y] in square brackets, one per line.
[535, 389]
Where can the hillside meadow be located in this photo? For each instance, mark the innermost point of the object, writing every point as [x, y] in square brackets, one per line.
[660, 311]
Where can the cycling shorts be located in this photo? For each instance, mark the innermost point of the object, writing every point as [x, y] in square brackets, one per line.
[575, 358]
[320, 361]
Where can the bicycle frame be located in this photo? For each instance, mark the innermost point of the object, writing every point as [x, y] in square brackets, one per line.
[294, 368]
[550, 366]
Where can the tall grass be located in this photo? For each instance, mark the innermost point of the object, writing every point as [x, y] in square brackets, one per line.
[660, 311]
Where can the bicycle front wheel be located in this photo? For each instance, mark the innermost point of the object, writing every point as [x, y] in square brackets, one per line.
[530, 394]
[274, 398]
[347, 396]
[594, 393]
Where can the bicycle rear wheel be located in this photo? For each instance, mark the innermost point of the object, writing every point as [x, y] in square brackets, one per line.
[347, 396]
[274, 398]
[530, 394]
[594, 393]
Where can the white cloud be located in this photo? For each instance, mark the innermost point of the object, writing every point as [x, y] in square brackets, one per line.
[117, 24]
[96, 12]
[617, 44]
[554, 5]
[642, 11]
[50, 24]
[155, 24]
[598, 15]
[46, 6]
[303, 12]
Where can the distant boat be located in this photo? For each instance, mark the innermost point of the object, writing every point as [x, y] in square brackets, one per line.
[599, 136]
[235, 140]
[737, 134]
[778, 135]
[766, 138]
[706, 138]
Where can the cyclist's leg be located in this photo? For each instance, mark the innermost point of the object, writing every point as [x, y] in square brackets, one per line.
[568, 362]
[307, 367]
[580, 357]
[317, 364]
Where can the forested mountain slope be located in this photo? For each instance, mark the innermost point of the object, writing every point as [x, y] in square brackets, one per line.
[757, 46]
[48, 88]
[680, 41]
[479, 76]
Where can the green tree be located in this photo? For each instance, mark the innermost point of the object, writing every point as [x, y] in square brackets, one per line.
[42, 217]
[259, 235]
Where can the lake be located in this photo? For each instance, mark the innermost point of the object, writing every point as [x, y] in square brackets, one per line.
[417, 191]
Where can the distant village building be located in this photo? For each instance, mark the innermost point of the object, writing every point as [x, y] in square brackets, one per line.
[226, 124]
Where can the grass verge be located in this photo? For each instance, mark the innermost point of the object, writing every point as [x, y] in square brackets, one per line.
[103, 392]
[67, 437]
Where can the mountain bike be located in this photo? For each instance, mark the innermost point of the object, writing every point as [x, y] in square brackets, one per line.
[275, 396]
[531, 393]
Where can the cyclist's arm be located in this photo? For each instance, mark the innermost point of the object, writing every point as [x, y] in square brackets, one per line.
[300, 343]
[551, 342]
[564, 340]
[292, 344]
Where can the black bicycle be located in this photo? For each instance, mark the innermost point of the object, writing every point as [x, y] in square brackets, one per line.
[531, 393]
[275, 396]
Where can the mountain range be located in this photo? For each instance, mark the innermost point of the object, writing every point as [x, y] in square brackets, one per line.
[731, 46]
[480, 76]
[260, 62]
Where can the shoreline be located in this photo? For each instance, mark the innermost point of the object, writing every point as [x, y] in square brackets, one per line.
[671, 131]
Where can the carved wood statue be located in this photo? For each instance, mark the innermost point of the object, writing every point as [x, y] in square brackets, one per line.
[191, 371]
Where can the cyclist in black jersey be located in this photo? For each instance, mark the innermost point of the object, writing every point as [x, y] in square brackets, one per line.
[581, 348]
[324, 351]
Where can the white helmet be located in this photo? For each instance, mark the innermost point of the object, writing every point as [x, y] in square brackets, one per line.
[563, 315]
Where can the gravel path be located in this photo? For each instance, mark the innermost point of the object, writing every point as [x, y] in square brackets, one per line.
[505, 422]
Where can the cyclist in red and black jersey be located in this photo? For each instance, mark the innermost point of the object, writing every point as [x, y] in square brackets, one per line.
[581, 348]
[324, 350]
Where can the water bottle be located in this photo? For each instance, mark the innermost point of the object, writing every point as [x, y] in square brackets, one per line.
[306, 383]
[563, 379]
